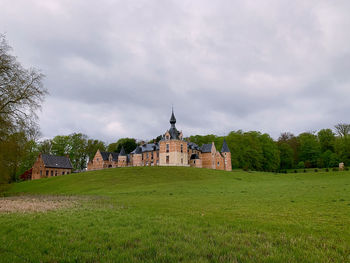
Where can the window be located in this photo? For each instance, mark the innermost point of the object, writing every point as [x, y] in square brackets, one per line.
[62, 173]
[47, 173]
[182, 161]
[41, 173]
[167, 148]
[96, 159]
[152, 155]
[147, 155]
[167, 159]
[194, 161]
[56, 173]
[218, 163]
[157, 154]
[51, 173]
[182, 148]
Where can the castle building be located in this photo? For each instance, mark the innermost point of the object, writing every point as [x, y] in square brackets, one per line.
[171, 150]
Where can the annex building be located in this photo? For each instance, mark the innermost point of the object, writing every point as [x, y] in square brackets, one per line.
[171, 150]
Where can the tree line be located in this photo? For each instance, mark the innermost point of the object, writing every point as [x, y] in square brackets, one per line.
[257, 151]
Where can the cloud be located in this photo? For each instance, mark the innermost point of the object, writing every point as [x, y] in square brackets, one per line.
[114, 68]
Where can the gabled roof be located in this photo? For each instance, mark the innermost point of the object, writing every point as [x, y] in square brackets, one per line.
[138, 150]
[122, 152]
[225, 148]
[105, 156]
[192, 146]
[114, 156]
[206, 148]
[53, 161]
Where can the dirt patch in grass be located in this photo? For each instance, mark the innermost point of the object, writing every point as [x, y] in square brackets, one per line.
[25, 204]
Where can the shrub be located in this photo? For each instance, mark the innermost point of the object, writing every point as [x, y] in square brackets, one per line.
[346, 168]
[335, 169]
[304, 171]
[327, 170]
[316, 170]
[295, 171]
[301, 165]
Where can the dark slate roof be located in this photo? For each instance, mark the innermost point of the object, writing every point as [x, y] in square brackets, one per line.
[174, 133]
[194, 156]
[105, 156]
[172, 118]
[53, 161]
[192, 146]
[206, 148]
[225, 148]
[122, 152]
[138, 150]
[147, 147]
[115, 156]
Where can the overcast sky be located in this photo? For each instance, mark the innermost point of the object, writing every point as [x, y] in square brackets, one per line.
[114, 68]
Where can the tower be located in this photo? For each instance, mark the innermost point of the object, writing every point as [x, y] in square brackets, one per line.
[225, 151]
[172, 147]
[122, 158]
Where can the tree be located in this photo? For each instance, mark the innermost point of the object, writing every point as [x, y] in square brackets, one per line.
[326, 138]
[93, 146]
[129, 145]
[309, 151]
[286, 155]
[342, 129]
[21, 95]
[271, 161]
[292, 141]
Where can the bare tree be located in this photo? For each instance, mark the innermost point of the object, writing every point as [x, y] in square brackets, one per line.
[342, 129]
[21, 93]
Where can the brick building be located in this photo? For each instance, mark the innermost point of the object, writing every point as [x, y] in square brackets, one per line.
[47, 165]
[171, 150]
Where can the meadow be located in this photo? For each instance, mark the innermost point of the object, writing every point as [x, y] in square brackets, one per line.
[178, 214]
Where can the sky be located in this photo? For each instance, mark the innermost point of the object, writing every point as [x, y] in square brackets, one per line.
[115, 68]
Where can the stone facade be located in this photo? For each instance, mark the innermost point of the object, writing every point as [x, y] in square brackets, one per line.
[49, 166]
[171, 150]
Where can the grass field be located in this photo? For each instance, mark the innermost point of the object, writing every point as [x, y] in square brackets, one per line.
[158, 214]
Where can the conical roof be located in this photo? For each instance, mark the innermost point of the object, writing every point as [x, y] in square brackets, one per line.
[122, 152]
[225, 148]
[172, 118]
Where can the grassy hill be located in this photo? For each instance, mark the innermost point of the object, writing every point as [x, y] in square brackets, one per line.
[158, 214]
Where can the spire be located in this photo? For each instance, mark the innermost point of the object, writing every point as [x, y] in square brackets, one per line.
[225, 148]
[122, 152]
[172, 118]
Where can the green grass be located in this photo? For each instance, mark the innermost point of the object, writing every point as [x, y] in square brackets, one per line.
[158, 214]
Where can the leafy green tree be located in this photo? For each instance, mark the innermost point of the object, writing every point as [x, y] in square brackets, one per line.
[129, 145]
[286, 155]
[77, 150]
[310, 149]
[292, 141]
[60, 145]
[93, 146]
[271, 161]
[326, 138]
